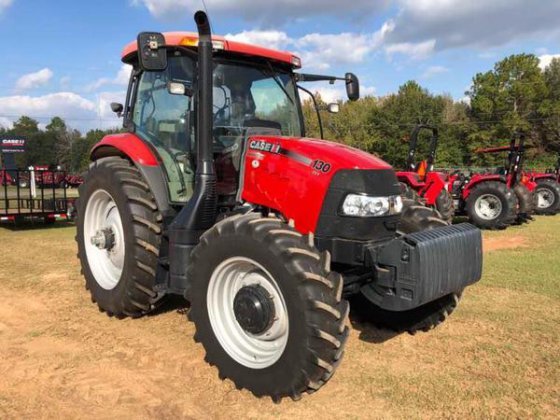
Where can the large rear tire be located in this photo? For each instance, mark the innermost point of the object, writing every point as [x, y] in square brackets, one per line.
[491, 205]
[267, 308]
[526, 202]
[118, 235]
[415, 218]
[444, 204]
[547, 197]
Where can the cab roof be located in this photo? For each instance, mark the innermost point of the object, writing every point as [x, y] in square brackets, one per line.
[190, 39]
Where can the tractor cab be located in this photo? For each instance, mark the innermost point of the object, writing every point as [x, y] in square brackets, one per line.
[254, 92]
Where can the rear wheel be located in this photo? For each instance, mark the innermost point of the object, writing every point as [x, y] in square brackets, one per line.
[547, 197]
[491, 205]
[526, 203]
[118, 235]
[414, 219]
[444, 204]
[267, 308]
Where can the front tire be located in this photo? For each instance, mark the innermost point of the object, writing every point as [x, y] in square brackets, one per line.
[267, 308]
[445, 206]
[491, 205]
[118, 235]
[547, 197]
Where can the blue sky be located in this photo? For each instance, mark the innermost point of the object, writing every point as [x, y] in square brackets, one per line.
[63, 57]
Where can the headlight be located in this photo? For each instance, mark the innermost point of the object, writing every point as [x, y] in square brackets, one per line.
[366, 206]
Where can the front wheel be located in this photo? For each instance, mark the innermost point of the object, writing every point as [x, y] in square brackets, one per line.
[526, 202]
[267, 308]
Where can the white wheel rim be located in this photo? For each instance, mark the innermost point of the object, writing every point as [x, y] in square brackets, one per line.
[545, 198]
[253, 351]
[488, 206]
[106, 265]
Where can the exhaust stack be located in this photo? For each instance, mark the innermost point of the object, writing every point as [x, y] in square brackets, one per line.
[199, 214]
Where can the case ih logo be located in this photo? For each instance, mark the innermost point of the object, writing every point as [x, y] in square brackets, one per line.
[264, 146]
[12, 145]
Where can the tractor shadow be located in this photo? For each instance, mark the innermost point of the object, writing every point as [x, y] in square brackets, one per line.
[171, 303]
[362, 321]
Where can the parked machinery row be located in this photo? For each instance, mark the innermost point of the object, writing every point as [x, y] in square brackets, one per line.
[490, 199]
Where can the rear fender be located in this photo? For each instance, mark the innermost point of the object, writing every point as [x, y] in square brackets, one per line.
[477, 179]
[131, 147]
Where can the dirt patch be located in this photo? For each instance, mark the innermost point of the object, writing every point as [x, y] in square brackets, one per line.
[509, 242]
[61, 358]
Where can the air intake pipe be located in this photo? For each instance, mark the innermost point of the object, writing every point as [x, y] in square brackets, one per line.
[199, 214]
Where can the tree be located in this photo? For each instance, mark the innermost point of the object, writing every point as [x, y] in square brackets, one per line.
[506, 99]
[550, 108]
[25, 126]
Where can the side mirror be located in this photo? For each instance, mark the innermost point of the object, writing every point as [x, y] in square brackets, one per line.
[352, 86]
[179, 88]
[152, 55]
[333, 108]
[117, 108]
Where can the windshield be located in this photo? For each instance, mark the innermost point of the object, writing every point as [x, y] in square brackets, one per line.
[250, 96]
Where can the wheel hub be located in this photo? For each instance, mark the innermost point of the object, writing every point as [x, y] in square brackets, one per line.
[254, 309]
[104, 239]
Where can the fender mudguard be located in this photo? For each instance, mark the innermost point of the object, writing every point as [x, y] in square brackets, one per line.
[132, 147]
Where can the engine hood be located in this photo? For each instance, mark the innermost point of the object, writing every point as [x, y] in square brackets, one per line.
[339, 156]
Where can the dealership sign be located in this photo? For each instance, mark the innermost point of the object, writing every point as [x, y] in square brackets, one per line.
[12, 144]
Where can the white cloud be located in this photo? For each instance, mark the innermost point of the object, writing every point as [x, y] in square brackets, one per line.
[76, 110]
[415, 51]
[483, 24]
[4, 4]
[32, 80]
[121, 79]
[5, 123]
[270, 39]
[278, 11]
[434, 71]
[545, 60]
[317, 50]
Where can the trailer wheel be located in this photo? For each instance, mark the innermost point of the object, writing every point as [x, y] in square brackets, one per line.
[267, 308]
[444, 204]
[414, 219]
[526, 202]
[547, 197]
[118, 235]
[491, 205]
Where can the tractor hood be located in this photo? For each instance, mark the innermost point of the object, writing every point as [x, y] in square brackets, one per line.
[309, 150]
[293, 175]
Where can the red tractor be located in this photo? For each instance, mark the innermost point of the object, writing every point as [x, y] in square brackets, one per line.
[494, 200]
[215, 194]
[512, 171]
[430, 186]
[547, 190]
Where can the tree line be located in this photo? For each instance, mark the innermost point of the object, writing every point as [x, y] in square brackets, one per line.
[516, 95]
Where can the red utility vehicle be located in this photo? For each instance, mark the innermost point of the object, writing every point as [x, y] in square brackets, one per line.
[215, 194]
[430, 186]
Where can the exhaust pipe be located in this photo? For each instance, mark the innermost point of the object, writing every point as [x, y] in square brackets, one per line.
[199, 214]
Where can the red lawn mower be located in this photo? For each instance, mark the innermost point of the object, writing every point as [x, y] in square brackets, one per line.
[547, 190]
[420, 177]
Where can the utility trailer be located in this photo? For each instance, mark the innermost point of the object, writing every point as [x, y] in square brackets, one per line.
[31, 196]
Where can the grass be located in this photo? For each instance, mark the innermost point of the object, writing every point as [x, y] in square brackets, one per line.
[497, 356]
